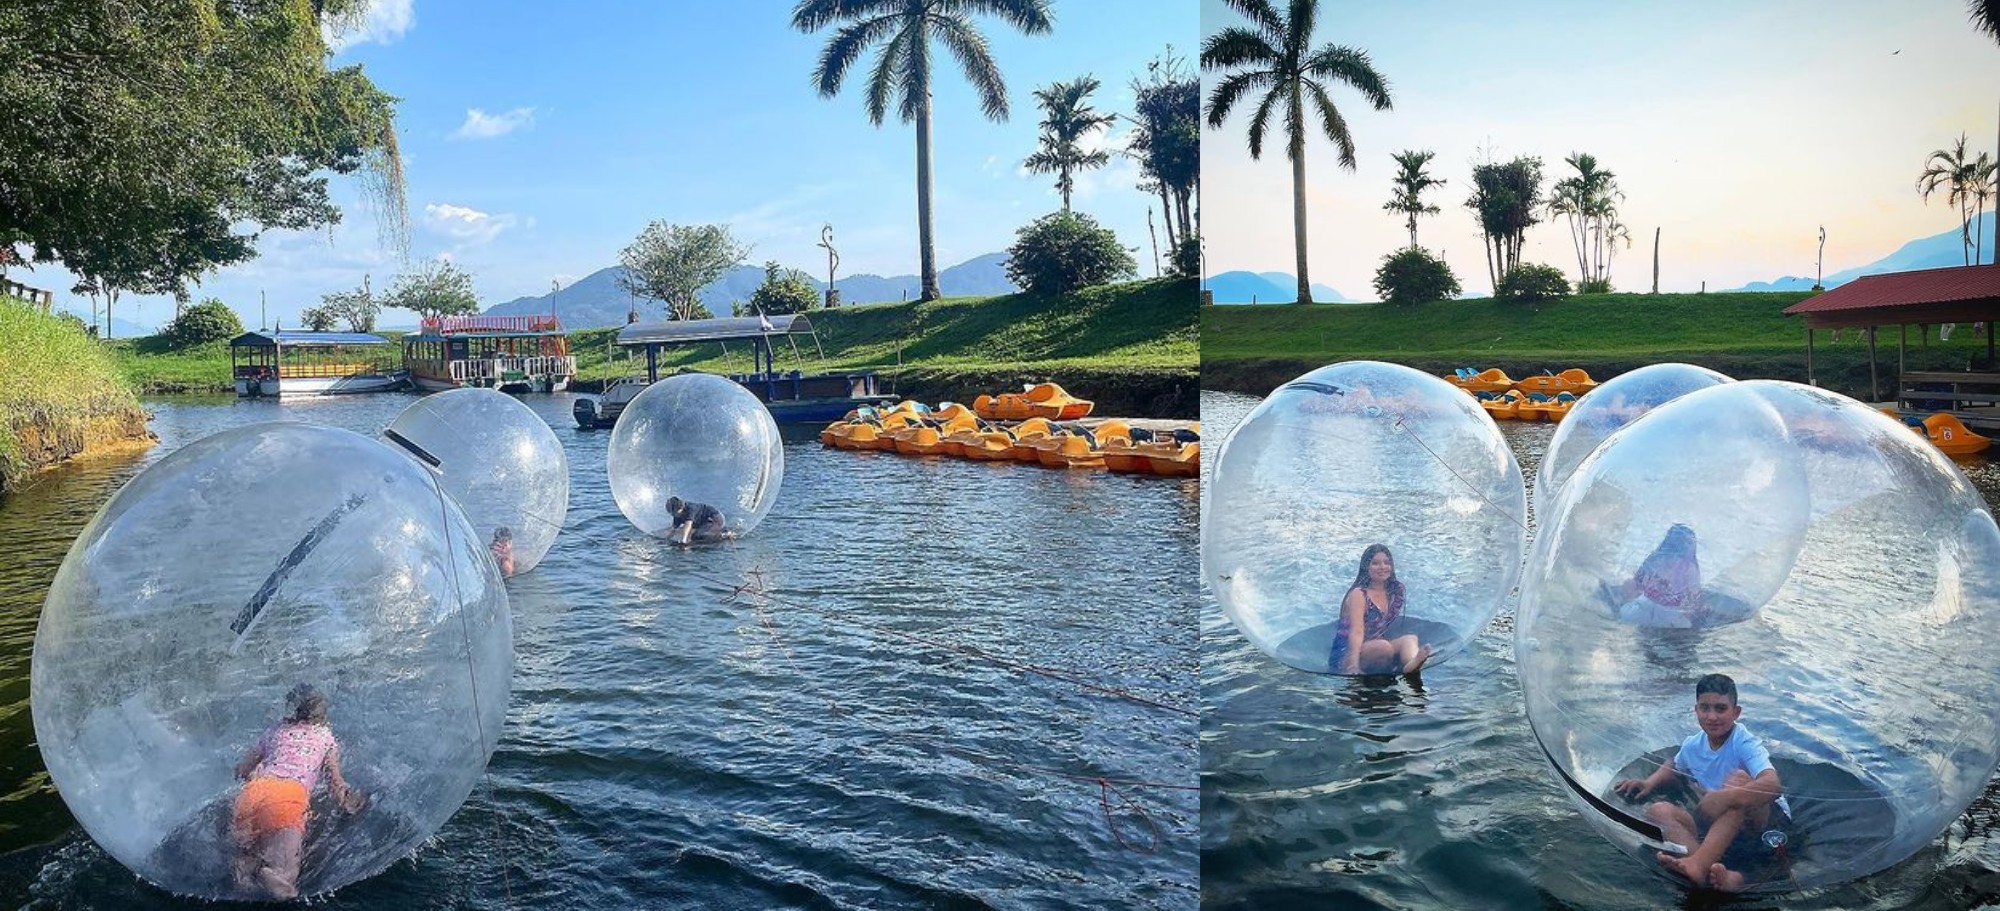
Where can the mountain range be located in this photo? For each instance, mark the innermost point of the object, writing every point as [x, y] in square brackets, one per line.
[1265, 288]
[1934, 252]
[597, 300]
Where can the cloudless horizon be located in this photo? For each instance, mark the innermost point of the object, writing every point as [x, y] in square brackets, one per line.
[537, 146]
[1736, 130]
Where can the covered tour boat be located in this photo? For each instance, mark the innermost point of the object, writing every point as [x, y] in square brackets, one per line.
[508, 353]
[793, 396]
[290, 362]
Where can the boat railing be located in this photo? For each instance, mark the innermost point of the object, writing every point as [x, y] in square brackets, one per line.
[331, 369]
[446, 325]
[497, 368]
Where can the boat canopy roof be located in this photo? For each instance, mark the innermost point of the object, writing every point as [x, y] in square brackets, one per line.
[687, 331]
[296, 338]
[483, 325]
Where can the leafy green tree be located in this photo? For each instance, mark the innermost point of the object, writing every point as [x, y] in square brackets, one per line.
[1529, 282]
[783, 291]
[319, 319]
[1064, 251]
[1589, 198]
[903, 66]
[1167, 141]
[1967, 180]
[1413, 276]
[672, 263]
[1411, 181]
[1067, 120]
[435, 288]
[357, 308]
[1277, 58]
[147, 144]
[1187, 256]
[1505, 198]
[209, 321]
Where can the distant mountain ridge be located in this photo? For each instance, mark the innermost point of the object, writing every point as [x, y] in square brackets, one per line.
[1934, 252]
[597, 300]
[1241, 287]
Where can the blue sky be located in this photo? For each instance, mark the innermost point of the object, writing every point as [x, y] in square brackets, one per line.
[1738, 129]
[596, 118]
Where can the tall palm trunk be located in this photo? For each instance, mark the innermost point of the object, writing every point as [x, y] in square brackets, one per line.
[1298, 139]
[925, 237]
[1167, 209]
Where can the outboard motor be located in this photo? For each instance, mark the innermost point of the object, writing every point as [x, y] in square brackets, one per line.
[586, 413]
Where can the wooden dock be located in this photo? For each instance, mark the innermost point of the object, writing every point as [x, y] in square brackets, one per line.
[1974, 397]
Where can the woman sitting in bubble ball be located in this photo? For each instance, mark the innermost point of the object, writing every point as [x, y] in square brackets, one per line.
[1372, 605]
[269, 823]
[1666, 591]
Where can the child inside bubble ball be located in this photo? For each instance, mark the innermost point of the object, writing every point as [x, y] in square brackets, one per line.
[695, 522]
[1666, 591]
[1361, 644]
[502, 547]
[1735, 787]
[268, 826]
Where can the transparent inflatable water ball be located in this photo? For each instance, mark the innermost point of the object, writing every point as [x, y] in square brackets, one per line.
[1835, 565]
[1341, 459]
[695, 457]
[501, 463]
[1615, 403]
[213, 586]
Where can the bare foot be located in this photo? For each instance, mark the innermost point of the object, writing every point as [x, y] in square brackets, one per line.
[1416, 664]
[1725, 879]
[1685, 867]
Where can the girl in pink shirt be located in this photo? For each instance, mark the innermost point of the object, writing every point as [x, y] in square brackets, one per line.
[269, 824]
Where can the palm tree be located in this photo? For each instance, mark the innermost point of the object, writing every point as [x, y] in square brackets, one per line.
[1411, 182]
[1589, 198]
[1276, 57]
[1986, 17]
[1979, 187]
[1955, 171]
[904, 29]
[1069, 118]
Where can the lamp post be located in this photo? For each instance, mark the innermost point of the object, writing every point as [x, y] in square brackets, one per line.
[832, 262]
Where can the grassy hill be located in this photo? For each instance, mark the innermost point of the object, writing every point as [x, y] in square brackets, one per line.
[1133, 346]
[59, 393]
[1253, 349]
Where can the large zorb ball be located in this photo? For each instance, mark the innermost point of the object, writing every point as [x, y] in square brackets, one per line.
[1348, 456]
[1617, 402]
[221, 577]
[500, 462]
[1835, 565]
[702, 439]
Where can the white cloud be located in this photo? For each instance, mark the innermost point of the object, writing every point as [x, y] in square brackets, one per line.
[481, 125]
[468, 226]
[381, 22]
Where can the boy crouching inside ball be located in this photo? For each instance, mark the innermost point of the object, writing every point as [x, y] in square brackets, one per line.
[1730, 773]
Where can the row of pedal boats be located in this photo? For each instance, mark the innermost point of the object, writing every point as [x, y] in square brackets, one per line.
[912, 428]
[1549, 396]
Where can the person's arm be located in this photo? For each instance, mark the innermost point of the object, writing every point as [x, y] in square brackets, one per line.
[1354, 610]
[1636, 788]
[249, 763]
[349, 798]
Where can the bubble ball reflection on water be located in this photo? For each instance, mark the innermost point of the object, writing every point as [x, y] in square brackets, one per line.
[1617, 402]
[501, 463]
[699, 438]
[1348, 456]
[1849, 582]
[218, 579]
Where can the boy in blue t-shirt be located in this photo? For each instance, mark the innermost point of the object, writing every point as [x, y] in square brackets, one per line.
[1729, 772]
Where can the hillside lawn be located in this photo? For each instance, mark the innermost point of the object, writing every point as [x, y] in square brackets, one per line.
[1253, 349]
[1140, 337]
[59, 393]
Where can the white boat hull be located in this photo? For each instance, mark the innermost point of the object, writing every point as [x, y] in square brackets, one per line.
[299, 386]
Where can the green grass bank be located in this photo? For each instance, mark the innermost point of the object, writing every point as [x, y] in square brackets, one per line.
[60, 393]
[1133, 347]
[1253, 349]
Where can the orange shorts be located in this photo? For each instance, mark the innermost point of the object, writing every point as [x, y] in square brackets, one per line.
[271, 804]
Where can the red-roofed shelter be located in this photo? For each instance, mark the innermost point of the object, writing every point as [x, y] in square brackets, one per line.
[1959, 294]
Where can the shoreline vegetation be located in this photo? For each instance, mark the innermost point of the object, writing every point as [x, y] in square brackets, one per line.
[1254, 349]
[1132, 347]
[61, 394]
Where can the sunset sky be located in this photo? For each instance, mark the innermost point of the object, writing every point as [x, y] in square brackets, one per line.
[1738, 129]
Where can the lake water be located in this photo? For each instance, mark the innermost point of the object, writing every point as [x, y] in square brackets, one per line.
[1354, 794]
[964, 684]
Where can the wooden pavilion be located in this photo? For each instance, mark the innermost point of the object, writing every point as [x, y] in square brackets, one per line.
[1922, 298]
